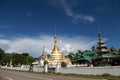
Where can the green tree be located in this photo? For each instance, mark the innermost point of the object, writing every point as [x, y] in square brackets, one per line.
[93, 48]
[63, 64]
[25, 54]
[79, 51]
[2, 54]
[30, 59]
[79, 54]
[18, 59]
[71, 56]
[45, 62]
[5, 60]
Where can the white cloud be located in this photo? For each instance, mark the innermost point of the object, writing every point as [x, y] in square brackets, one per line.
[3, 41]
[89, 18]
[34, 45]
[81, 18]
[76, 17]
[65, 6]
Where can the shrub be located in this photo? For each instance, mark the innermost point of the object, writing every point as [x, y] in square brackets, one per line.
[106, 75]
[45, 62]
[63, 64]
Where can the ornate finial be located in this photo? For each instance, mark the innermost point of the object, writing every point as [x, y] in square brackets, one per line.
[99, 35]
[43, 50]
[55, 39]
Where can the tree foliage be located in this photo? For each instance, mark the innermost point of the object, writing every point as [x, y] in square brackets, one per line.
[18, 59]
[30, 59]
[71, 56]
[45, 62]
[1, 54]
[25, 54]
[63, 64]
[15, 59]
[78, 54]
[5, 60]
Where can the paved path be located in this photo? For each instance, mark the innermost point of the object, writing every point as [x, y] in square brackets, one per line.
[14, 75]
[2, 78]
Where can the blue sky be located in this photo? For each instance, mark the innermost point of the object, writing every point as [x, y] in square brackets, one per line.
[76, 21]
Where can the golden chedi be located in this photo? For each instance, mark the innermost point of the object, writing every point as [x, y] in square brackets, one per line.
[56, 57]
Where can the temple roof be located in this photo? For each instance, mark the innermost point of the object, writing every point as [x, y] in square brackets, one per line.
[102, 47]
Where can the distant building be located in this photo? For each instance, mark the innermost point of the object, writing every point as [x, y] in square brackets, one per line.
[56, 57]
[99, 56]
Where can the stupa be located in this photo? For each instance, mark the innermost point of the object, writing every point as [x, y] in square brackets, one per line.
[56, 57]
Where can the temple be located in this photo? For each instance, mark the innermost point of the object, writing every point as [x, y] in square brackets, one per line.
[56, 57]
[99, 55]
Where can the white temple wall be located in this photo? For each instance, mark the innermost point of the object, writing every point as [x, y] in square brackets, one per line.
[92, 70]
[113, 70]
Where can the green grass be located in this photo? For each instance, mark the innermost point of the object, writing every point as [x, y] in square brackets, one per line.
[103, 76]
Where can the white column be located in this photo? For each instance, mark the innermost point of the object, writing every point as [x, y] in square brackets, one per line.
[57, 68]
[46, 68]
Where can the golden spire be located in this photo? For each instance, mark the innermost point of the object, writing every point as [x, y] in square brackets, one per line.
[99, 35]
[46, 57]
[55, 49]
[63, 57]
[43, 53]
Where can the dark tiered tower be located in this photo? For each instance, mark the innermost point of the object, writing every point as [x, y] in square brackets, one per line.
[102, 48]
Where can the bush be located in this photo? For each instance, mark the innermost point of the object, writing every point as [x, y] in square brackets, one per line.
[45, 62]
[63, 64]
[106, 75]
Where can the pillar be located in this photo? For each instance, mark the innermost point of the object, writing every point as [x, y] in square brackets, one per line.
[46, 68]
[57, 68]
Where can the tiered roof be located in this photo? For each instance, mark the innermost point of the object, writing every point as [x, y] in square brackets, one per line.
[102, 48]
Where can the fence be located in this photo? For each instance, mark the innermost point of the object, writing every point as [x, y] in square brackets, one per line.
[92, 70]
[25, 68]
[113, 70]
